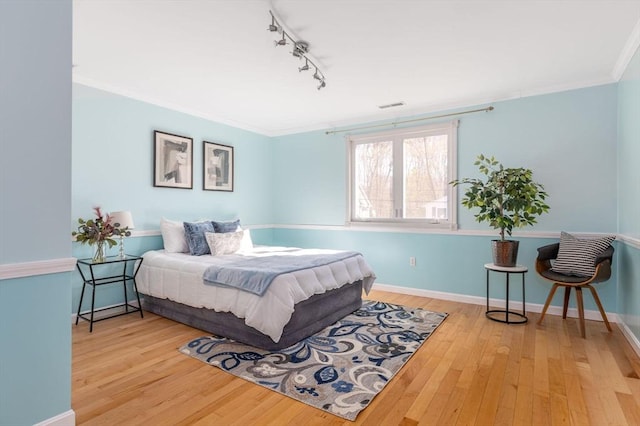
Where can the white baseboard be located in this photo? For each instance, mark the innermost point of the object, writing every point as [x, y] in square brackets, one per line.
[499, 303]
[631, 338]
[68, 418]
[531, 307]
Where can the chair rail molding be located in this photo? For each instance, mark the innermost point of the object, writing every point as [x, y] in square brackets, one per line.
[629, 240]
[38, 267]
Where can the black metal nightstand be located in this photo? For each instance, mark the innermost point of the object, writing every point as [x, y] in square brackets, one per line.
[90, 268]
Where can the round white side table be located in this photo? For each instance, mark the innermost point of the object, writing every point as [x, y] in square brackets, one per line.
[521, 318]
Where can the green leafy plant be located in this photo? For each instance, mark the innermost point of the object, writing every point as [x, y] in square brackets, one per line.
[93, 231]
[507, 198]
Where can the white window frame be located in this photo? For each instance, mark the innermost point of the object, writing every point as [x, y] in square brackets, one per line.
[451, 129]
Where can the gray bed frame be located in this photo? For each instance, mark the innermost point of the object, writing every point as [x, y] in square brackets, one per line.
[309, 317]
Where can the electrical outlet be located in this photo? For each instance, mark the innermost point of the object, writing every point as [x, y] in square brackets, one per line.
[412, 261]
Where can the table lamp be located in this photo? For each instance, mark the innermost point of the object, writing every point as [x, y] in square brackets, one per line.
[125, 222]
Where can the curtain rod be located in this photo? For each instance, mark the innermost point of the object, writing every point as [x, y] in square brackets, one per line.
[487, 109]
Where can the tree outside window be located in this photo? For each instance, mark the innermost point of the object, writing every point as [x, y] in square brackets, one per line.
[402, 176]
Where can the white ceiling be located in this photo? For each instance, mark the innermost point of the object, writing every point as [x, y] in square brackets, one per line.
[216, 59]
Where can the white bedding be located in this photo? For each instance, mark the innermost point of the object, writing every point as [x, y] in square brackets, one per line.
[178, 277]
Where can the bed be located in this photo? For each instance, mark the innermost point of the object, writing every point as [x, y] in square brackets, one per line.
[294, 306]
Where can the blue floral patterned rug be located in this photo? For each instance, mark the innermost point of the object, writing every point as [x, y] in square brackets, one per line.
[341, 368]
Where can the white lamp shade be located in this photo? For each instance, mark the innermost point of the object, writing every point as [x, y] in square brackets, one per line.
[123, 218]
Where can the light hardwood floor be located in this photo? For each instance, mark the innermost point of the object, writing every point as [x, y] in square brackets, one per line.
[471, 371]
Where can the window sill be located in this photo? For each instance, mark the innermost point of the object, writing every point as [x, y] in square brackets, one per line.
[404, 226]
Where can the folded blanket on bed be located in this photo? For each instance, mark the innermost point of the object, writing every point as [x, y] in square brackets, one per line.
[255, 274]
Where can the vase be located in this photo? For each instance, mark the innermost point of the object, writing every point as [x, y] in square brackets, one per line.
[99, 255]
[505, 253]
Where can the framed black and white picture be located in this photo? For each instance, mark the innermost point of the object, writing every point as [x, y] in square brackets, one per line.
[173, 161]
[218, 167]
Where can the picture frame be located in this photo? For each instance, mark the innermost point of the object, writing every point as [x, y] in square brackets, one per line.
[173, 161]
[218, 169]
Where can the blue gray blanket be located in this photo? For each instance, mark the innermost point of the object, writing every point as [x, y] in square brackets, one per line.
[255, 274]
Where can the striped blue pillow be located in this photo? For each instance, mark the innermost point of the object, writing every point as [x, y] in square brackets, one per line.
[578, 257]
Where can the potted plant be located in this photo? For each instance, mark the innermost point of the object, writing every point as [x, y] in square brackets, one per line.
[507, 198]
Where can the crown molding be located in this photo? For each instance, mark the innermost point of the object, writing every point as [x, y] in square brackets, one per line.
[127, 93]
[448, 106]
[355, 120]
[629, 49]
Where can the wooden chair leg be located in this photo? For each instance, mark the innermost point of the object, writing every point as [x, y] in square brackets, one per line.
[580, 311]
[567, 293]
[546, 304]
[597, 299]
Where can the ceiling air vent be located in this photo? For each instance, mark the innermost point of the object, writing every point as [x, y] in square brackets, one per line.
[393, 105]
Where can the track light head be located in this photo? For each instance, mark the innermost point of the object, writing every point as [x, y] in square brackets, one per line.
[273, 27]
[282, 41]
[300, 50]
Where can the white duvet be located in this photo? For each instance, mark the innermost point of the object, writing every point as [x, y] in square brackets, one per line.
[178, 277]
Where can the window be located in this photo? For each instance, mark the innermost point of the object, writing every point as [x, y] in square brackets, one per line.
[403, 176]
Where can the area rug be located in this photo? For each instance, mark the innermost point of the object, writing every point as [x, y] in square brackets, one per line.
[341, 368]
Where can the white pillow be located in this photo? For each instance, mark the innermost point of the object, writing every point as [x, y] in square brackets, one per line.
[173, 236]
[224, 242]
[247, 243]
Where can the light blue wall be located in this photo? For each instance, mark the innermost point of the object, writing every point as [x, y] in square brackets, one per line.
[629, 149]
[292, 180]
[35, 208]
[629, 194]
[113, 168]
[113, 163]
[36, 140]
[568, 139]
[628, 290]
[309, 179]
[446, 263]
[35, 358]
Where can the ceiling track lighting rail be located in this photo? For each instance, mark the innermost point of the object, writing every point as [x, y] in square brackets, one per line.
[300, 50]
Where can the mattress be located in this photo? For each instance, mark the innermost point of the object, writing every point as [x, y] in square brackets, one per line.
[310, 316]
[178, 277]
